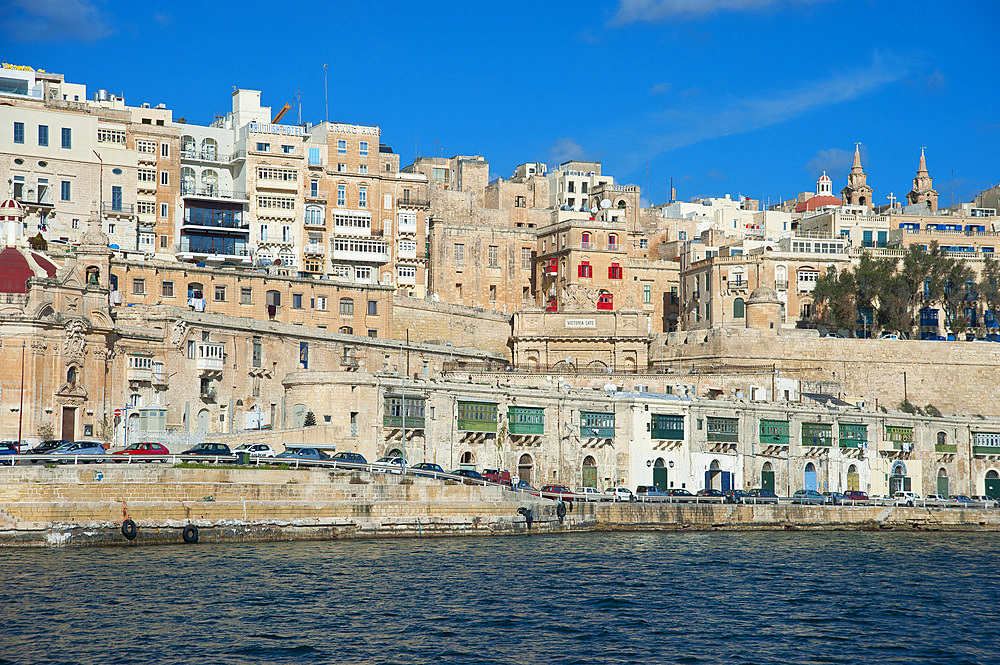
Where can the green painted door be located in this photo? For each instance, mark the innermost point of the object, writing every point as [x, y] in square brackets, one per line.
[660, 477]
[942, 485]
[590, 476]
[993, 488]
[767, 480]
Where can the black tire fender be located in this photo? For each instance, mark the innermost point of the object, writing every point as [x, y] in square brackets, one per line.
[129, 530]
[561, 510]
[190, 534]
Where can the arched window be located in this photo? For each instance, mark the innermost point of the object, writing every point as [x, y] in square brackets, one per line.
[314, 216]
[346, 330]
[71, 377]
[93, 275]
[195, 291]
[942, 439]
[346, 307]
[187, 180]
[739, 308]
[613, 241]
[468, 459]
[189, 146]
[805, 311]
[209, 149]
[621, 204]
[586, 241]
[210, 182]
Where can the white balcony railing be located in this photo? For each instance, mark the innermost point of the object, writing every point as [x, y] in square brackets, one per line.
[209, 356]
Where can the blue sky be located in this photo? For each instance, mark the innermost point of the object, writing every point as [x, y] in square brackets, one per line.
[726, 96]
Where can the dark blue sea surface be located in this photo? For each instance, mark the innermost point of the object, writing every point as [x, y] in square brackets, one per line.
[725, 597]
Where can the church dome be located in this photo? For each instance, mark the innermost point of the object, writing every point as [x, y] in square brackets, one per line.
[763, 294]
[818, 202]
[18, 265]
[11, 209]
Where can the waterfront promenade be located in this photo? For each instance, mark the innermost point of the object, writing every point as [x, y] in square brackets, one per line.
[84, 505]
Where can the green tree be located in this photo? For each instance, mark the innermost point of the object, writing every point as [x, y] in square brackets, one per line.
[989, 287]
[957, 294]
[310, 419]
[835, 299]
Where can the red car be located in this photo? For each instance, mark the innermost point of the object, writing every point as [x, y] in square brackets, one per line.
[557, 492]
[499, 476]
[147, 452]
[855, 496]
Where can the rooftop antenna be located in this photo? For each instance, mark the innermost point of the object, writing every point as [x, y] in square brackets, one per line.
[326, 94]
[298, 97]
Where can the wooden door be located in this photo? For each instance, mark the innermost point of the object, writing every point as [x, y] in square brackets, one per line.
[69, 423]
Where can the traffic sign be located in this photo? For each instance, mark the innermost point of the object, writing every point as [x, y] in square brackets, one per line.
[118, 412]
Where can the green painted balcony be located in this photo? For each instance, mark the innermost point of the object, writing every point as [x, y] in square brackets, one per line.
[818, 435]
[526, 420]
[723, 430]
[668, 427]
[393, 417]
[594, 425]
[477, 417]
[945, 448]
[774, 432]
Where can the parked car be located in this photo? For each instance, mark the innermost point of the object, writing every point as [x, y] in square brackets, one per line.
[650, 493]
[80, 448]
[8, 451]
[47, 446]
[209, 448]
[905, 498]
[255, 450]
[855, 496]
[347, 456]
[833, 498]
[312, 454]
[962, 500]
[803, 497]
[833, 335]
[20, 446]
[679, 493]
[733, 496]
[589, 494]
[987, 501]
[556, 492]
[619, 494]
[890, 336]
[392, 464]
[524, 486]
[146, 451]
[708, 493]
[430, 467]
[935, 498]
[500, 476]
[760, 496]
[468, 475]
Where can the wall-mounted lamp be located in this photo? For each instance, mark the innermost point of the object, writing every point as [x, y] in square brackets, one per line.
[48, 409]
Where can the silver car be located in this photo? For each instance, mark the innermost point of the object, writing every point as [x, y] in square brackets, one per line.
[80, 448]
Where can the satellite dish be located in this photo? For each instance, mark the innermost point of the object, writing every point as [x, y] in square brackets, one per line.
[605, 203]
[594, 210]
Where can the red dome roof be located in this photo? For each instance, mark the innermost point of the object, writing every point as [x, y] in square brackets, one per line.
[817, 202]
[14, 271]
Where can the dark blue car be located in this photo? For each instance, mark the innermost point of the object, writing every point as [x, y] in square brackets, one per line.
[426, 466]
[313, 454]
[8, 450]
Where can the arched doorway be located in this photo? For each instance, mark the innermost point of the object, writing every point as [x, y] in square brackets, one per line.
[991, 485]
[660, 474]
[239, 421]
[203, 420]
[713, 479]
[395, 452]
[898, 480]
[589, 472]
[853, 479]
[467, 461]
[767, 477]
[524, 467]
[810, 476]
[942, 481]
[133, 426]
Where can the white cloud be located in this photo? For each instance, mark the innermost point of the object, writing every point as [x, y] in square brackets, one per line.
[54, 20]
[659, 89]
[833, 160]
[565, 148]
[630, 11]
[697, 124]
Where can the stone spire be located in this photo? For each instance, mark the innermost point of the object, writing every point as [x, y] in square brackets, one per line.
[857, 192]
[923, 191]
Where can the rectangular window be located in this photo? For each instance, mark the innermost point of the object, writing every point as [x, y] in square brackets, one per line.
[493, 292]
[585, 270]
[67, 138]
[258, 354]
[372, 308]
[220, 294]
[362, 197]
[287, 149]
[459, 254]
[18, 132]
[341, 147]
[246, 296]
[75, 223]
[139, 287]
[321, 303]
[64, 190]
[43, 135]
[116, 198]
[164, 177]
[363, 148]
[263, 147]
[346, 307]
[341, 195]
[341, 168]
[190, 349]
[372, 332]
[167, 289]
[164, 150]
[614, 271]
[286, 234]
[526, 258]
[363, 169]
[111, 136]
[314, 157]
[164, 210]
[314, 188]
[647, 293]
[296, 301]
[493, 256]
